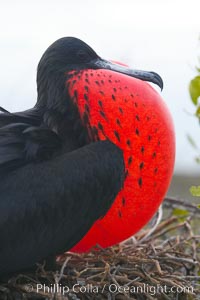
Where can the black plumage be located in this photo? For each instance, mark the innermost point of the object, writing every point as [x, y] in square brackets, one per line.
[47, 207]
[54, 183]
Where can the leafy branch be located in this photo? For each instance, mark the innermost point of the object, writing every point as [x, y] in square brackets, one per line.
[194, 90]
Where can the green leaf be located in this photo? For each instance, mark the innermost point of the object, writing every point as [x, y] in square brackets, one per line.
[197, 113]
[198, 69]
[182, 214]
[198, 206]
[194, 89]
[197, 159]
[191, 141]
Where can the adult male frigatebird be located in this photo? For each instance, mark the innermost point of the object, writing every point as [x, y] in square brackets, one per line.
[63, 162]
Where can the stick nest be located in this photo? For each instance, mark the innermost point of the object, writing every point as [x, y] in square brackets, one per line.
[161, 262]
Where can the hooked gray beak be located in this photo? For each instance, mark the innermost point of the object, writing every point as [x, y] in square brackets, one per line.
[143, 75]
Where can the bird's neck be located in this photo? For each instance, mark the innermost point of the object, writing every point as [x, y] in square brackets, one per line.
[58, 110]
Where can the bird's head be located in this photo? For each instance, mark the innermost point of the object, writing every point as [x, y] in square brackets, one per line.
[69, 54]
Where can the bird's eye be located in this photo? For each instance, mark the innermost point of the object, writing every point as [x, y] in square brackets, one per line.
[82, 55]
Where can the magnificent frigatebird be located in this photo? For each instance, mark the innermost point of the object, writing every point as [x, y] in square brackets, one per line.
[65, 161]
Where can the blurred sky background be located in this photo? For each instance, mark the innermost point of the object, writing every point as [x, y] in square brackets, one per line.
[162, 36]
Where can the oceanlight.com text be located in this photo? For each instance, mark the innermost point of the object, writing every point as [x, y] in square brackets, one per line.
[111, 288]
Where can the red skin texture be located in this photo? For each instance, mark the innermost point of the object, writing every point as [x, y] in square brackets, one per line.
[137, 120]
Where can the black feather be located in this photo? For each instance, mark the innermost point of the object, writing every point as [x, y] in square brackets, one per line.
[32, 116]
[21, 143]
[3, 110]
[46, 208]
